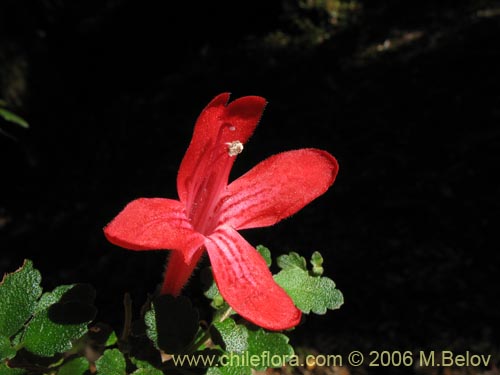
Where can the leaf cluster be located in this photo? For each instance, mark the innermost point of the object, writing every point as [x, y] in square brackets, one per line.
[48, 333]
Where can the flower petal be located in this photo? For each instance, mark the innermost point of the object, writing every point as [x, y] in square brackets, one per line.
[153, 224]
[277, 188]
[245, 282]
[218, 124]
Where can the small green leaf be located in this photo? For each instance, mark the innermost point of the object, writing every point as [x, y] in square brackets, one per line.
[291, 261]
[101, 334]
[6, 370]
[232, 337]
[210, 289]
[266, 254]
[6, 349]
[19, 292]
[272, 349]
[112, 340]
[309, 293]
[52, 332]
[77, 366]
[11, 117]
[112, 362]
[317, 263]
[172, 323]
[212, 292]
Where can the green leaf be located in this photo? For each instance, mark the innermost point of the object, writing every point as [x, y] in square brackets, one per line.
[144, 367]
[77, 366]
[69, 304]
[231, 337]
[6, 349]
[112, 340]
[291, 261]
[255, 349]
[212, 292]
[309, 293]
[210, 289]
[266, 254]
[272, 349]
[19, 292]
[172, 323]
[11, 117]
[112, 362]
[56, 322]
[148, 371]
[317, 263]
[101, 334]
[6, 370]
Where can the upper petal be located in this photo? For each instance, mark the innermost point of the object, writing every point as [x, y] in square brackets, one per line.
[153, 224]
[245, 282]
[218, 124]
[277, 188]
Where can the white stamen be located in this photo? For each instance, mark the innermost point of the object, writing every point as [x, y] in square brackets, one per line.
[234, 148]
[232, 128]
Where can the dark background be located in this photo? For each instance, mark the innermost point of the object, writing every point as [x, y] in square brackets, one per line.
[404, 94]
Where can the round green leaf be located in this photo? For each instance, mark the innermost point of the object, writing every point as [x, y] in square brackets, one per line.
[19, 292]
[256, 349]
[45, 335]
[267, 346]
[46, 338]
[309, 293]
[232, 337]
[77, 366]
[112, 362]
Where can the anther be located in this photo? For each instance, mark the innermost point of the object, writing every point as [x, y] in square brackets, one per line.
[234, 148]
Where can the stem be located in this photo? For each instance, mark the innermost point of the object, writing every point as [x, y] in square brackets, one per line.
[127, 325]
[226, 314]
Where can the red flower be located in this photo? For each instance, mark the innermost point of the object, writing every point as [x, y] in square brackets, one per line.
[209, 211]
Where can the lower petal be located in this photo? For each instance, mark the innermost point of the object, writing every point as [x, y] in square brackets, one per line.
[245, 282]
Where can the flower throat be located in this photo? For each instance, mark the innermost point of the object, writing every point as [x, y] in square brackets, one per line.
[210, 178]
